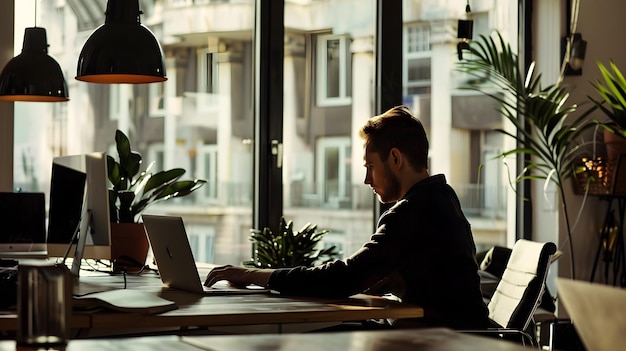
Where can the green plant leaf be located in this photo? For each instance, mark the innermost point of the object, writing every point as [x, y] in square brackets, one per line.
[162, 178]
[612, 90]
[287, 248]
[130, 161]
[114, 172]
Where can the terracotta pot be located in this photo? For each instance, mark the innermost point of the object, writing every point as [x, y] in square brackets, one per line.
[128, 240]
[616, 146]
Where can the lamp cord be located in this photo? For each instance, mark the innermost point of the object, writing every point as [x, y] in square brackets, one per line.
[36, 1]
[573, 23]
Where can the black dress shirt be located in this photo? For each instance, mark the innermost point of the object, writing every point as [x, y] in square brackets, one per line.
[422, 252]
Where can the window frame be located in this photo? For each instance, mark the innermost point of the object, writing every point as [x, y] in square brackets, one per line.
[343, 145]
[157, 92]
[207, 84]
[409, 55]
[344, 98]
[210, 191]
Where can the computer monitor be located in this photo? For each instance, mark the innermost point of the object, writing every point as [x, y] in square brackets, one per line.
[98, 239]
[23, 230]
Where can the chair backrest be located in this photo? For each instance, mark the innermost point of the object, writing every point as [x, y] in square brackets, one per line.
[519, 291]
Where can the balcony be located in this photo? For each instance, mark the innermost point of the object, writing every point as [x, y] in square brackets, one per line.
[203, 109]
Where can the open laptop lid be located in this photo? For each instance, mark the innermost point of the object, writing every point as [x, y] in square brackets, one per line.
[172, 252]
[596, 312]
[175, 260]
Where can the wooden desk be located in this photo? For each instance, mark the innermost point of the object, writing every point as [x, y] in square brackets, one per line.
[266, 313]
[396, 340]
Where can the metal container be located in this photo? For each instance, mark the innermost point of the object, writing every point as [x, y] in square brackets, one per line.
[44, 304]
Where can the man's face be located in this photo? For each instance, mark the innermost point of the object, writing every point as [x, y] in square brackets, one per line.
[380, 177]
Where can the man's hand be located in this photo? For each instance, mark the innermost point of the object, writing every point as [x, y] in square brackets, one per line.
[238, 276]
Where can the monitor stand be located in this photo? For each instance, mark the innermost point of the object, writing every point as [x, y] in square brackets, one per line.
[81, 232]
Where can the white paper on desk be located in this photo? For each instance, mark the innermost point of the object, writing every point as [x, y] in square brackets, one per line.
[597, 312]
[125, 300]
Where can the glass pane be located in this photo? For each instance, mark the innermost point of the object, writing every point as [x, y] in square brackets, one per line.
[332, 68]
[322, 176]
[331, 156]
[464, 155]
[193, 120]
[419, 69]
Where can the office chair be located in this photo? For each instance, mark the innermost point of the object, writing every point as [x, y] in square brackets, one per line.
[519, 292]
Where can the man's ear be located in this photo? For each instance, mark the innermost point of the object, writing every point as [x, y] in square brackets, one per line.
[396, 156]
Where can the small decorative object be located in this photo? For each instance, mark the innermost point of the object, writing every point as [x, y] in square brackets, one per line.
[288, 249]
[591, 177]
[131, 192]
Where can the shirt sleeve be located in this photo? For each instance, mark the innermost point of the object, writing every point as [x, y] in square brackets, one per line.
[375, 260]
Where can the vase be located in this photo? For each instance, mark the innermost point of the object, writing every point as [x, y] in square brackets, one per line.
[616, 147]
[129, 246]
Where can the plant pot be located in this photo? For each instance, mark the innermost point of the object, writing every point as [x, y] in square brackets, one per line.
[129, 246]
[616, 147]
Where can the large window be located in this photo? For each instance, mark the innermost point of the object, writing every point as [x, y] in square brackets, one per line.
[204, 117]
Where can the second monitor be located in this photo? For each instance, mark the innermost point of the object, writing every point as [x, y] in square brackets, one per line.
[98, 240]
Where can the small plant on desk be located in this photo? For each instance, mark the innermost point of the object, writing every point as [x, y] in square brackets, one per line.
[288, 249]
[131, 191]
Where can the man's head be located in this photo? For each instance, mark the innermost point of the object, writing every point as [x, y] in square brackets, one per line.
[396, 152]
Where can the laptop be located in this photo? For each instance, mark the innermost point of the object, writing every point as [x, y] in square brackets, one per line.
[23, 232]
[596, 311]
[174, 258]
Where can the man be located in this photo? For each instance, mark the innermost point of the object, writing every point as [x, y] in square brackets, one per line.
[422, 251]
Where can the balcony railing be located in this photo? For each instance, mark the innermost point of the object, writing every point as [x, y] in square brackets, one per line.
[477, 200]
[480, 200]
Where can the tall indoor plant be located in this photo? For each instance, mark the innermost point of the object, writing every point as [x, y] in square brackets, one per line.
[547, 136]
[132, 190]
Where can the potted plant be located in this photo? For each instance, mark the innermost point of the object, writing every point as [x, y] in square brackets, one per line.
[546, 134]
[612, 90]
[288, 249]
[131, 191]
[613, 93]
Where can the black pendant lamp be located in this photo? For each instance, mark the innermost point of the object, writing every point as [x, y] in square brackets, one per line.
[33, 75]
[122, 50]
